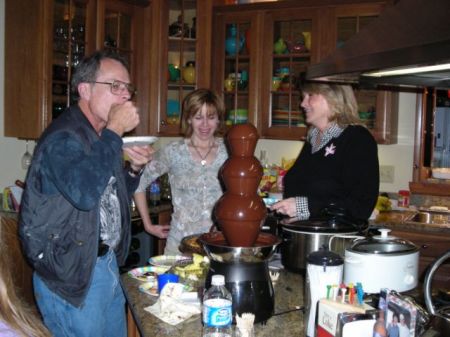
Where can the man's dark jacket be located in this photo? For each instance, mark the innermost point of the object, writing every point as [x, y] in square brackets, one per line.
[60, 216]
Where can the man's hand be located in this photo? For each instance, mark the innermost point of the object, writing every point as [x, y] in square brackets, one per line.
[139, 156]
[123, 118]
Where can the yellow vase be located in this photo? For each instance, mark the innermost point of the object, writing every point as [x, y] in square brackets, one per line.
[229, 84]
[189, 74]
[307, 36]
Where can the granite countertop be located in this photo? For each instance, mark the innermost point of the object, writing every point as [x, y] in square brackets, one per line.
[288, 294]
[399, 219]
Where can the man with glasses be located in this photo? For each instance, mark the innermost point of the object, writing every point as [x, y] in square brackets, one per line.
[75, 218]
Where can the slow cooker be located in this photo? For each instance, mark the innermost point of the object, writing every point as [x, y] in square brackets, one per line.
[382, 261]
[301, 237]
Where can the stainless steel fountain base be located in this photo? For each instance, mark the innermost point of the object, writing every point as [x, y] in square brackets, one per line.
[246, 272]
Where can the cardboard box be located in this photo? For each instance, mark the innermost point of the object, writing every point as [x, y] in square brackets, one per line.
[335, 319]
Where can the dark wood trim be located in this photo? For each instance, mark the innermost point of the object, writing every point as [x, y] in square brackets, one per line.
[430, 187]
[292, 4]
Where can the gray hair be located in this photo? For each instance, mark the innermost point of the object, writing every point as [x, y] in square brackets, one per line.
[87, 69]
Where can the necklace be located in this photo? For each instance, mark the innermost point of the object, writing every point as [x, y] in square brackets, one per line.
[203, 158]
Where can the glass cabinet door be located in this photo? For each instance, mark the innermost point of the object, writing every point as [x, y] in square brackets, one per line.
[377, 108]
[118, 30]
[347, 26]
[179, 61]
[289, 50]
[234, 73]
[181, 57]
[69, 45]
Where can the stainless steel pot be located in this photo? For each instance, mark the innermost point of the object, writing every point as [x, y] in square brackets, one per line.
[382, 261]
[299, 238]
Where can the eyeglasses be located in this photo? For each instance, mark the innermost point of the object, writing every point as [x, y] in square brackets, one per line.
[117, 87]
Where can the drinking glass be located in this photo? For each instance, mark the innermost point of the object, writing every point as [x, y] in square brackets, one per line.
[26, 158]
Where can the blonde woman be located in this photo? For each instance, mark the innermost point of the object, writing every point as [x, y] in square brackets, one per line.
[16, 319]
[338, 163]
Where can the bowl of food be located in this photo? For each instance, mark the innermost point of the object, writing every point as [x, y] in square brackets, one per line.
[193, 273]
[190, 245]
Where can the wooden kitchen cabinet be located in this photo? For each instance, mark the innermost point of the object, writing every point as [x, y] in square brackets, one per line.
[180, 39]
[326, 24]
[255, 62]
[427, 153]
[45, 40]
[281, 116]
[235, 54]
[431, 245]
[378, 109]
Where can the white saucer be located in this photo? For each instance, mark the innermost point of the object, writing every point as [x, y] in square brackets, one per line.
[138, 141]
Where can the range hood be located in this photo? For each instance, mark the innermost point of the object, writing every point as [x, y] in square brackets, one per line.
[411, 33]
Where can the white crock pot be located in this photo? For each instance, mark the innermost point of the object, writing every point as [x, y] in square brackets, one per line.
[382, 262]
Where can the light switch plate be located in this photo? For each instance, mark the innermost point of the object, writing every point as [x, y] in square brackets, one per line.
[387, 173]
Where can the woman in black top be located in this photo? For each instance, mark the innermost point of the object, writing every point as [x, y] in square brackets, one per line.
[338, 163]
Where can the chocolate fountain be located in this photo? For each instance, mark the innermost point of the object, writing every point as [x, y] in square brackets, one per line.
[240, 251]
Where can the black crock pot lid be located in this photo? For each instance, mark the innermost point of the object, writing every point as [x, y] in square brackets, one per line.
[324, 257]
[322, 225]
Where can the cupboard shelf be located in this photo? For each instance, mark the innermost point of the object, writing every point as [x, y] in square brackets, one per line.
[291, 56]
[173, 85]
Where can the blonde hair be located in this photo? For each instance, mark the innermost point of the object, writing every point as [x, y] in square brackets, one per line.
[12, 310]
[194, 102]
[341, 100]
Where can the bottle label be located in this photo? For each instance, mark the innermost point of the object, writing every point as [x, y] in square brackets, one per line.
[217, 312]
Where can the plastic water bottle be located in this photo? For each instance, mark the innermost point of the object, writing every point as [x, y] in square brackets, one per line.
[155, 193]
[217, 309]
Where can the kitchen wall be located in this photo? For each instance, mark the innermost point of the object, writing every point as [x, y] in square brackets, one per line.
[400, 156]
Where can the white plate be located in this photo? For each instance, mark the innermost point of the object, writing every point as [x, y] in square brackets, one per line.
[138, 141]
[147, 273]
[150, 288]
[167, 260]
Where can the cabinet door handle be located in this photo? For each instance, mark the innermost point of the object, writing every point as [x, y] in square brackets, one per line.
[424, 246]
[163, 123]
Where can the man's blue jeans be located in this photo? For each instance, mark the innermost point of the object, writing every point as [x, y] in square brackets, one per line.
[102, 313]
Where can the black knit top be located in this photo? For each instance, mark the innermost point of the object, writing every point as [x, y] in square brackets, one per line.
[344, 172]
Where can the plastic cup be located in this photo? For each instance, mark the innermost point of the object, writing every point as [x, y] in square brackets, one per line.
[163, 279]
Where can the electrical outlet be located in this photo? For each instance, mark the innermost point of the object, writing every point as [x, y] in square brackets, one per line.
[387, 173]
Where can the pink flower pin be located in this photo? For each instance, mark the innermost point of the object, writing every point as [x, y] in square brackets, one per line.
[330, 150]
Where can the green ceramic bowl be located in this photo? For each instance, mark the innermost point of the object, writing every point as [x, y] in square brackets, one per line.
[238, 116]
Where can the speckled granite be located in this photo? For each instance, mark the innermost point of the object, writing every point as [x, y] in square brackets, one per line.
[288, 294]
[399, 220]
